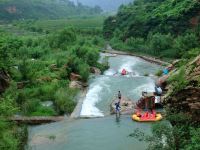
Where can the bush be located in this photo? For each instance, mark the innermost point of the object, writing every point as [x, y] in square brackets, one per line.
[178, 80]
[194, 141]
[185, 43]
[84, 71]
[136, 43]
[159, 73]
[63, 39]
[43, 111]
[192, 53]
[64, 100]
[159, 42]
[161, 138]
[7, 106]
[30, 106]
[8, 140]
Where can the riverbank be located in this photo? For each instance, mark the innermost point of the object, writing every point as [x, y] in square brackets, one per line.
[80, 98]
[146, 58]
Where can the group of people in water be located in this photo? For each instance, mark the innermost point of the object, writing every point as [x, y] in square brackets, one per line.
[157, 94]
[152, 100]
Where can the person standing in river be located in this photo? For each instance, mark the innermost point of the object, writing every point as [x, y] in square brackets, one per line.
[117, 104]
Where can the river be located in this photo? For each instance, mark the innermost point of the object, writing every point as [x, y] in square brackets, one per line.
[101, 131]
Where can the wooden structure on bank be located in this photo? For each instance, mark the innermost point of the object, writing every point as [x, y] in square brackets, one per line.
[36, 120]
[146, 101]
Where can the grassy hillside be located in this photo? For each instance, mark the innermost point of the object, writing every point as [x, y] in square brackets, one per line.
[163, 28]
[40, 65]
[42, 9]
[83, 23]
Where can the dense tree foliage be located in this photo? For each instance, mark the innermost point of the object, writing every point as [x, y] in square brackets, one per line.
[39, 67]
[162, 28]
[43, 9]
[45, 64]
[182, 134]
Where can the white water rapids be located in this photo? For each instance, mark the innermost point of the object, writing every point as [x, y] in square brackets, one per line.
[112, 81]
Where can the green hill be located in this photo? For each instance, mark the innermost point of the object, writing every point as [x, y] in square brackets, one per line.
[42, 9]
[155, 27]
[164, 16]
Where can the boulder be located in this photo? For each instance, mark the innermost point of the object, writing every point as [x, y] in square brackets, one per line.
[127, 106]
[95, 70]
[161, 82]
[75, 77]
[77, 85]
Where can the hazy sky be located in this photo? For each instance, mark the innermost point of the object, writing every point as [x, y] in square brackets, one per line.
[106, 5]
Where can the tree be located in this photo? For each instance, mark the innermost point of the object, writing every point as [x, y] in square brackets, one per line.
[63, 39]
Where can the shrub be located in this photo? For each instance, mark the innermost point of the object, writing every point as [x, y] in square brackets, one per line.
[161, 138]
[8, 140]
[185, 43]
[135, 43]
[64, 100]
[194, 141]
[159, 42]
[30, 106]
[43, 111]
[84, 71]
[7, 106]
[192, 53]
[178, 80]
[159, 73]
[92, 56]
[63, 39]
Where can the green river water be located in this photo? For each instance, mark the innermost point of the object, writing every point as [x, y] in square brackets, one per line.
[102, 131]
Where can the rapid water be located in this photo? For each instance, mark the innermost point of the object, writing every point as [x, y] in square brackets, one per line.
[104, 88]
[105, 132]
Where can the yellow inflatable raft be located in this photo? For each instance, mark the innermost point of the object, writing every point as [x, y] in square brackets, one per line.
[158, 117]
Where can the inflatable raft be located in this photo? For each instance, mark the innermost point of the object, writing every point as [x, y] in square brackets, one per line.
[147, 117]
[124, 72]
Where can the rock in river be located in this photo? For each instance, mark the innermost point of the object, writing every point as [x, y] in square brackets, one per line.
[127, 106]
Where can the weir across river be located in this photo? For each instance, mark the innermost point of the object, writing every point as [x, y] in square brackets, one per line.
[37, 120]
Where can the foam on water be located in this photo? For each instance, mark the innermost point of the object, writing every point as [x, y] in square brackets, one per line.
[110, 72]
[128, 63]
[89, 108]
[146, 87]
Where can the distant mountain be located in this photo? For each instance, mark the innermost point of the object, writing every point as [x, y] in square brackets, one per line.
[43, 9]
[106, 5]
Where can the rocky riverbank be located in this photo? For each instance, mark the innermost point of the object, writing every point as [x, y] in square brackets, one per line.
[184, 91]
